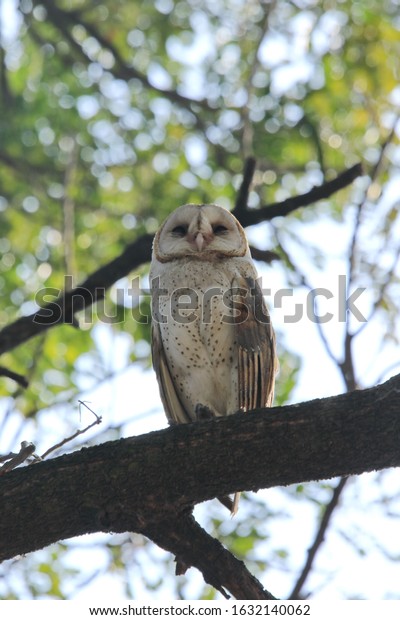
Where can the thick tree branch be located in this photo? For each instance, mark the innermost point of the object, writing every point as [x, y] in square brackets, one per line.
[139, 252]
[132, 484]
[192, 546]
[22, 381]
[93, 289]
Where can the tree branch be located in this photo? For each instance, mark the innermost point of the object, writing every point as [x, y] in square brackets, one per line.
[244, 190]
[15, 376]
[140, 483]
[268, 212]
[69, 302]
[94, 287]
[184, 537]
[61, 19]
[319, 539]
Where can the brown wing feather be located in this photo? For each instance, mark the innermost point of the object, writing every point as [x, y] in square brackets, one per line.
[257, 364]
[173, 407]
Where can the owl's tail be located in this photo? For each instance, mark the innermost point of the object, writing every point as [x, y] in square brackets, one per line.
[233, 506]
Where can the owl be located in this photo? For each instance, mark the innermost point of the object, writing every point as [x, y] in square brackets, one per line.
[213, 346]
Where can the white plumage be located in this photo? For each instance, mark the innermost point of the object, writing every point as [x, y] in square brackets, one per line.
[212, 341]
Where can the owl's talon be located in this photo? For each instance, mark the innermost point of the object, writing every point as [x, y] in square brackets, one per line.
[203, 412]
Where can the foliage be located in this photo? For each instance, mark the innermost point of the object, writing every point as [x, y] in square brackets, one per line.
[116, 112]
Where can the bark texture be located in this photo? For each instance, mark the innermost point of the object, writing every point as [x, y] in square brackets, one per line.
[149, 483]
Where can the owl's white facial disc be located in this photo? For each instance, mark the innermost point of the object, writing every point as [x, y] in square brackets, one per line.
[201, 232]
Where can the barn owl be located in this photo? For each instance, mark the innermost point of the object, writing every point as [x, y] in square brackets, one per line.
[213, 345]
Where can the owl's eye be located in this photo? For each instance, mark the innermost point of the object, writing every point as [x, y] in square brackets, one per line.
[219, 229]
[179, 231]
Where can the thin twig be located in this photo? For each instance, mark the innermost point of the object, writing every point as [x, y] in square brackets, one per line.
[69, 211]
[305, 282]
[248, 128]
[348, 373]
[244, 189]
[10, 374]
[361, 203]
[63, 20]
[12, 460]
[347, 365]
[82, 403]
[318, 540]
[98, 420]
[388, 280]
[315, 136]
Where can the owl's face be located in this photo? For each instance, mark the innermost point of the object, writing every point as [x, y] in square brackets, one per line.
[200, 232]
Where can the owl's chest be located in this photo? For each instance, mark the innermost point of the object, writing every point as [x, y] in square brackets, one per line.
[195, 313]
[196, 274]
[195, 291]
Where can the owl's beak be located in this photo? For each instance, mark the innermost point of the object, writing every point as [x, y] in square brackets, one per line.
[200, 241]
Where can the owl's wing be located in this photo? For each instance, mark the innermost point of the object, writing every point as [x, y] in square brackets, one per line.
[257, 363]
[173, 407]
